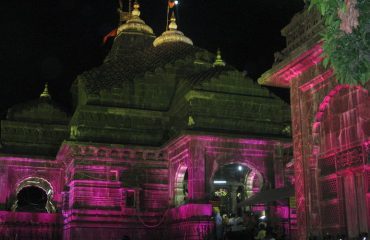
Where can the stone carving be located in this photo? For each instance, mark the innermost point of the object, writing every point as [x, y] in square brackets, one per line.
[350, 158]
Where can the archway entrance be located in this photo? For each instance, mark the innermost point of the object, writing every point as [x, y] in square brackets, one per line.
[181, 186]
[31, 199]
[339, 156]
[232, 184]
[34, 195]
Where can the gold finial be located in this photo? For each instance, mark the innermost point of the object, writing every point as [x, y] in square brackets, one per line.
[173, 25]
[136, 11]
[218, 61]
[134, 23]
[172, 35]
[45, 93]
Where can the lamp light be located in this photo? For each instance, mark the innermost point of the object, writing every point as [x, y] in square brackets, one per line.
[219, 182]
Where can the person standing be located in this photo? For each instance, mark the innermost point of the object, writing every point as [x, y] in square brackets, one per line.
[261, 232]
[219, 227]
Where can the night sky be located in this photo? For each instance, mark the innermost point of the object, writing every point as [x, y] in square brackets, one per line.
[55, 40]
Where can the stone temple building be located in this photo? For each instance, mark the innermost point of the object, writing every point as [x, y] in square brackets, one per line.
[331, 136]
[141, 153]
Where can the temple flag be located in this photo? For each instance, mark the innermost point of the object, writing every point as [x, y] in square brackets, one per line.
[171, 3]
[112, 33]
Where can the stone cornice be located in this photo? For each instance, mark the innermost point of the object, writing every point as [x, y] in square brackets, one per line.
[282, 74]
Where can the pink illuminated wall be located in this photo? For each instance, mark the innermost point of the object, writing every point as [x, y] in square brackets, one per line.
[341, 134]
[204, 155]
[14, 171]
[105, 192]
[330, 124]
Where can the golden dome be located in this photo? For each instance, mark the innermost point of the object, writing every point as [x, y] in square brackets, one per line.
[135, 24]
[172, 35]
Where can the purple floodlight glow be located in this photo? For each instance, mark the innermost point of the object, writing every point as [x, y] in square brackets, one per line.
[91, 189]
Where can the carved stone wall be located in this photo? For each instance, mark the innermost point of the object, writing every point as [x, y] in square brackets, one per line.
[330, 125]
[128, 190]
[341, 132]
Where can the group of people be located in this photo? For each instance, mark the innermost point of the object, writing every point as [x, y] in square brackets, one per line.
[247, 227]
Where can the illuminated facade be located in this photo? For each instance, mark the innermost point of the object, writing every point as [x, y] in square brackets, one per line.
[157, 113]
[331, 129]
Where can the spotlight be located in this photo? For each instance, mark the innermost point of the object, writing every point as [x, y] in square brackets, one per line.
[176, 2]
[263, 215]
[240, 168]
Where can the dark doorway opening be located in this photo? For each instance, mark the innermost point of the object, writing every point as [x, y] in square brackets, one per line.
[31, 199]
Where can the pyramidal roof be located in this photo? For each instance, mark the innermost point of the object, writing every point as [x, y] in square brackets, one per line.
[137, 60]
[43, 110]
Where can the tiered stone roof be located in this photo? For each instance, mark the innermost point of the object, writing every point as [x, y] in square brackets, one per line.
[146, 94]
[127, 67]
[37, 127]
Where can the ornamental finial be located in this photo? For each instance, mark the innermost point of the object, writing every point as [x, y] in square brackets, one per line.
[45, 93]
[173, 25]
[136, 11]
[172, 35]
[134, 23]
[218, 61]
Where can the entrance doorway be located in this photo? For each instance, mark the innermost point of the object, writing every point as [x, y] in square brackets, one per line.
[181, 186]
[232, 184]
[34, 195]
[31, 199]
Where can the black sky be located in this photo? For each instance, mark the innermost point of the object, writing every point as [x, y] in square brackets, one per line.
[55, 40]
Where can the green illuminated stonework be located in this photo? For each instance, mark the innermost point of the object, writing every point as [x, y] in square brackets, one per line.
[146, 123]
[37, 127]
[148, 95]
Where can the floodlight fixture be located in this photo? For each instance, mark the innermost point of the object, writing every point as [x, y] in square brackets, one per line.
[219, 181]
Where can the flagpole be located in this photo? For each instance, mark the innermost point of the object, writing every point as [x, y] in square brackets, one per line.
[168, 12]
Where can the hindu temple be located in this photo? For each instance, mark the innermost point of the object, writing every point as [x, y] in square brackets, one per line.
[163, 133]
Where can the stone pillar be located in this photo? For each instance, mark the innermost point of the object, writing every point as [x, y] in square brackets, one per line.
[4, 187]
[233, 198]
[278, 166]
[196, 171]
[361, 201]
[299, 164]
[350, 201]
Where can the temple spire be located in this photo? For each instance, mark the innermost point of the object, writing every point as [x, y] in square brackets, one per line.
[173, 24]
[134, 24]
[45, 93]
[172, 34]
[218, 61]
[136, 12]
